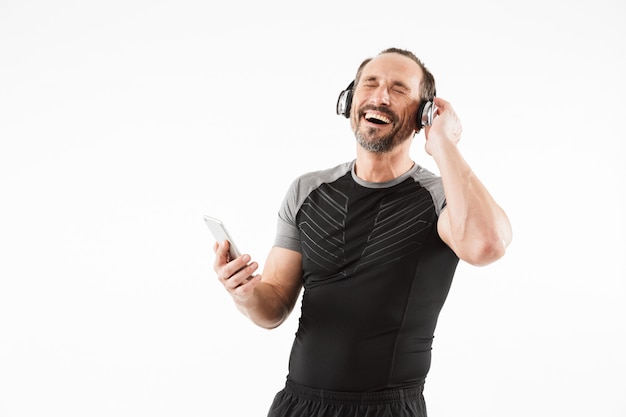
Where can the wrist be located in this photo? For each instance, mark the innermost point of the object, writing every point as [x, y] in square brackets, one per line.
[440, 147]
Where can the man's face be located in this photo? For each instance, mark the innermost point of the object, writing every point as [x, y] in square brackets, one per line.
[385, 102]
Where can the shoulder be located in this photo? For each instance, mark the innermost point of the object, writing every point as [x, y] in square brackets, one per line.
[433, 184]
[325, 175]
[423, 175]
[305, 183]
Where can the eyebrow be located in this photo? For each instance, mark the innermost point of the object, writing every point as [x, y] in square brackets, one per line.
[394, 84]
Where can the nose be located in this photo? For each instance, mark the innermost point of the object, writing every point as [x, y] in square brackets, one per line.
[380, 96]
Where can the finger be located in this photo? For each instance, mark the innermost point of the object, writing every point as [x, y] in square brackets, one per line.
[232, 278]
[246, 288]
[234, 283]
[221, 256]
[439, 102]
[222, 249]
[235, 265]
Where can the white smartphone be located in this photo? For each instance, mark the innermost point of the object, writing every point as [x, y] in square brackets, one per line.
[221, 234]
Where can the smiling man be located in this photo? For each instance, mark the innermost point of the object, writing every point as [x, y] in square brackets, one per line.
[375, 243]
[385, 128]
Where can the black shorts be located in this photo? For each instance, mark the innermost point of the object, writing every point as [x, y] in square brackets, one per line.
[295, 400]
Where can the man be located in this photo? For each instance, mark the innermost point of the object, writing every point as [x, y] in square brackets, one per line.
[375, 243]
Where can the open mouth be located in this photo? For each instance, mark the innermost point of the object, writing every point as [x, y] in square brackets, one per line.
[377, 118]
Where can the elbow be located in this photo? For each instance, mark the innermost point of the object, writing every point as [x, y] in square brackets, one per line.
[483, 244]
[271, 322]
[485, 252]
[269, 325]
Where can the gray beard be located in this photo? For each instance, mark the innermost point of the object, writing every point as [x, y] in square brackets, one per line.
[367, 137]
[381, 145]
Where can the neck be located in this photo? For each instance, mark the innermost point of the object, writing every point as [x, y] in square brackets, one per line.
[374, 167]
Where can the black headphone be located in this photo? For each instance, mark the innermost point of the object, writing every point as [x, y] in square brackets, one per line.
[425, 112]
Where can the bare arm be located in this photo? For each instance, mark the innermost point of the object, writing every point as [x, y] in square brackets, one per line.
[266, 299]
[472, 224]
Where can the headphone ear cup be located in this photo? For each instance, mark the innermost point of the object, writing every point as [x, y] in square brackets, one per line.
[420, 114]
[344, 102]
[425, 114]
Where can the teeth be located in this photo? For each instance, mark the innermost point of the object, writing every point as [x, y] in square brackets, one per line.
[377, 116]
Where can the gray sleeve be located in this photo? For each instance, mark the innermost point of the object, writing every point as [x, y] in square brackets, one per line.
[434, 185]
[287, 234]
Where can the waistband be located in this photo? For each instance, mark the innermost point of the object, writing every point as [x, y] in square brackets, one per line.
[374, 397]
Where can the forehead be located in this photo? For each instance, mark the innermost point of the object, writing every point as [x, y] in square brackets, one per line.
[393, 67]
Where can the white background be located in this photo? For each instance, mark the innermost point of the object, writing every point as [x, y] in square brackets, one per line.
[123, 122]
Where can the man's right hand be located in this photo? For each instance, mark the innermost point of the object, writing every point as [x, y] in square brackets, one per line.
[236, 274]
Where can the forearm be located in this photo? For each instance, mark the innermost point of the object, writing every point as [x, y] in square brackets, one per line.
[266, 308]
[478, 227]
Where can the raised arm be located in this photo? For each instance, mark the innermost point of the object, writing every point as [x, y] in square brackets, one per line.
[472, 224]
[266, 299]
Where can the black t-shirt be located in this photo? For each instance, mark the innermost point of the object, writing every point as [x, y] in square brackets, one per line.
[375, 276]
